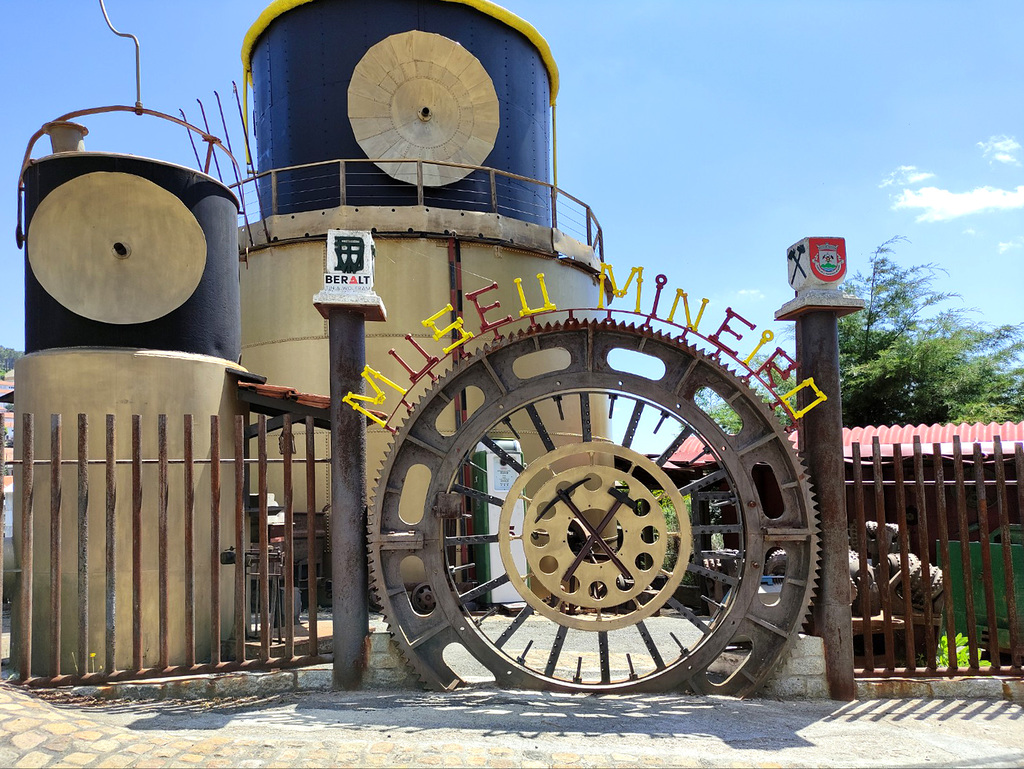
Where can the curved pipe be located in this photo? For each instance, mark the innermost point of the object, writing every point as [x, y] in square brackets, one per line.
[138, 66]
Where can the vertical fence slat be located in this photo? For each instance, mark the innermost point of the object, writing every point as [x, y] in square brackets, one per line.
[215, 539]
[986, 555]
[924, 548]
[1004, 530]
[55, 543]
[190, 552]
[289, 542]
[862, 553]
[904, 542]
[241, 610]
[882, 573]
[264, 544]
[137, 659]
[83, 544]
[312, 581]
[28, 458]
[110, 547]
[162, 543]
[965, 552]
[943, 524]
[1018, 464]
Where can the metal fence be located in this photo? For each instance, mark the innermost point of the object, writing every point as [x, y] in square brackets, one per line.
[252, 628]
[361, 182]
[937, 560]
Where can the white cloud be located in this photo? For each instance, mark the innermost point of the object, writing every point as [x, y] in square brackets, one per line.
[940, 205]
[1001, 149]
[1015, 243]
[905, 175]
[750, 293]
[970, 231]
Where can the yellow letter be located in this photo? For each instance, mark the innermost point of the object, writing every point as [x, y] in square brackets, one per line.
[809, 382]
[686, 306]
[464, 336]
[548, 304]
[377, 399]
[606, 269]
[766, 337]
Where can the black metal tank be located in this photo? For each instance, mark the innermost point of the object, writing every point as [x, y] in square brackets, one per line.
[302, 65]
[208, 322]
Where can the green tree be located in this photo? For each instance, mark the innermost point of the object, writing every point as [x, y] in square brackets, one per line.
[7, 359]
[910, 358]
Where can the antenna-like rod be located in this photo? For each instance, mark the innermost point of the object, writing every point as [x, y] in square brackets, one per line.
[138, 67]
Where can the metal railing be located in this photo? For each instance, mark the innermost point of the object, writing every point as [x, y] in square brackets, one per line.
[333, 183]
[936, 547]
[262, 602]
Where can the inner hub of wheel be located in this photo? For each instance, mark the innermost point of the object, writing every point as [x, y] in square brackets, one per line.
[601, 540]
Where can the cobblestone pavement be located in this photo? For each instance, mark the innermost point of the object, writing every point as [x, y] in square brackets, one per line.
[491, 728]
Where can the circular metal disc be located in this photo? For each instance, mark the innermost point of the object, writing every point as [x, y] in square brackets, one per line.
[421, 95]
[116, 248]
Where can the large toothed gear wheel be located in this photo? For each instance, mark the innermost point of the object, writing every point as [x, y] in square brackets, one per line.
[532, 489]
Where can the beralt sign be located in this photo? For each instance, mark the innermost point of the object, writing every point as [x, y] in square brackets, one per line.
[349, 263]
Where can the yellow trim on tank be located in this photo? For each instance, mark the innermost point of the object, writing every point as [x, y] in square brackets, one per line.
[280, 7]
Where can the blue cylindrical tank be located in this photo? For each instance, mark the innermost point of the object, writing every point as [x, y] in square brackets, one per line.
[302, 64]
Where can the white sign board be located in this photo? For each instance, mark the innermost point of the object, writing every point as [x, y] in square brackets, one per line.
[350, 258]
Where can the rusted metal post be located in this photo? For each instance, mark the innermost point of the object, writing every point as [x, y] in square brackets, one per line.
[349, 569]
[347, 306]
[816, 266]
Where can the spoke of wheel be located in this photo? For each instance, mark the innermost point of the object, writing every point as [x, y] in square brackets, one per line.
[471, 539]
[458, 488]
[556, 649]
[700, 483]
[693, 618]
[542, 431]
[666, 455]
[486, 587]
[602, 648]
[521, 617]
[558, 404]
[594, 533]
[511, 461]
[718, 576]
[634, 422]
[652, 648]
[661, 421]
[585, 417]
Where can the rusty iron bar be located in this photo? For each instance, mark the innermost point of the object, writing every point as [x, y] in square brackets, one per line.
[83, 543]
[965, 552]
[28, 454]
[137, 650]
[986, 556]
[162, 543]
[943, 523]
[924, 548]
[264, 544]
[110, 546]
[342, 194]
[240, 607]
[1018, 464]
[289, 541]
[312, 580]
[1004, 531]
[494, 191]
[904, 542]
[190, 551]
[862, 553]
[55, 543]
[215, 539]
[349, 568]
[883, 576]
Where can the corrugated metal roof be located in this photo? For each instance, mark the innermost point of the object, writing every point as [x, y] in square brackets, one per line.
[689, 453]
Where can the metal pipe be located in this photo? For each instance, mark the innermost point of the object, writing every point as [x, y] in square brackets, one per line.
[137, 658]
[350, 598]
[55, 543]
[83, 543]
[289, 541]
[28, 455]
[111, 548]
[138, 64]
[240, 608]
[312, 581]
[190, 551]
[215, 539]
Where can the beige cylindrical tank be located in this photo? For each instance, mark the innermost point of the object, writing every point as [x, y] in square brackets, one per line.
[123, 382]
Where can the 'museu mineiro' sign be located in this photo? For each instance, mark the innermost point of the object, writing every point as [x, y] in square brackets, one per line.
[732, 336]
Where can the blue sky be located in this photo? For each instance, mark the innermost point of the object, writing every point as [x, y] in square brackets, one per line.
[706, 136]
